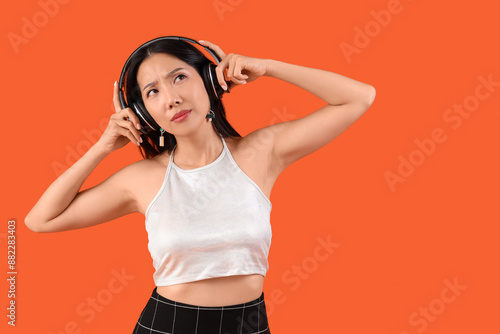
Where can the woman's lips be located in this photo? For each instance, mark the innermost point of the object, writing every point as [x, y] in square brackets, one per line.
[181, 115]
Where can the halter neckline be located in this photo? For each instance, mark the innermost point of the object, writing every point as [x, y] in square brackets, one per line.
[202, 167]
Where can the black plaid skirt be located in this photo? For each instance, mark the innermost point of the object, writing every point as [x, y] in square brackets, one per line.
[162, 315]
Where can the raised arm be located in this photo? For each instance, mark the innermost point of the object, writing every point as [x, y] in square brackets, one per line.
[346, 99]
[63, 207]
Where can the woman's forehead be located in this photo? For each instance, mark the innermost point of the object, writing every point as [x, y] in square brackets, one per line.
[159, 64]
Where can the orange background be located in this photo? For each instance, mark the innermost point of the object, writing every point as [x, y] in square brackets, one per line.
[398, 245]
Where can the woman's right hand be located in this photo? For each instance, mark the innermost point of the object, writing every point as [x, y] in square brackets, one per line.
[120, 131]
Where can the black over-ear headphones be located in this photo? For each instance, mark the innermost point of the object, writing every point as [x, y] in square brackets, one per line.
[209, 76]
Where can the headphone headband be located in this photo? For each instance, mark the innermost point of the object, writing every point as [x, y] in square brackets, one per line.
[208, 74]
[125, 67]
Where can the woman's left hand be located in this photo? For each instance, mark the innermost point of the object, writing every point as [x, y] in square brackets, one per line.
[240, 69]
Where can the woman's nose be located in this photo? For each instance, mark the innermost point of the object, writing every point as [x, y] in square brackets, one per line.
[172, 98]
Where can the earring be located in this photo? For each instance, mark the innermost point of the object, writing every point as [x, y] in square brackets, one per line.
[210, 115]
[162, 139]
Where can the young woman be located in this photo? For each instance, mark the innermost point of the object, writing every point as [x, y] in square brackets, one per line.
[205, 191]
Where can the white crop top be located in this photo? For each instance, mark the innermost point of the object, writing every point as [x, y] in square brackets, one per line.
[206, 222]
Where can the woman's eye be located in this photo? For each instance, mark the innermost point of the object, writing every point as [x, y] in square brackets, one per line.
[181, 75]
[149, 92]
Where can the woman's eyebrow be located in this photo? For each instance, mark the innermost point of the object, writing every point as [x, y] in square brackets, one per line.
[169, 74]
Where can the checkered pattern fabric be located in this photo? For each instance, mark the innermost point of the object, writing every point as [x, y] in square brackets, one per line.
[165, 316]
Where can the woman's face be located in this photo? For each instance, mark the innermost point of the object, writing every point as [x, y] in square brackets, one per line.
[169, 85]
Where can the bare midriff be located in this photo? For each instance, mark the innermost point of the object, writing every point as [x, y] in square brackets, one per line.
[220, 291]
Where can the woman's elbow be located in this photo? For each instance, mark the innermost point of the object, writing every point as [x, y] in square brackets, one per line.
[372, 92]
[31, 225]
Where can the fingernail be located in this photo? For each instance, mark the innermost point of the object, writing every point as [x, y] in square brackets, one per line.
[138, 126]
[224, 87]
[201, 41]
[115, 83]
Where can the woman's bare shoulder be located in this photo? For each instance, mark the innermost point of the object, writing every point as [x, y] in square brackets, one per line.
[141, 167]
[156, 161]
[144, 177]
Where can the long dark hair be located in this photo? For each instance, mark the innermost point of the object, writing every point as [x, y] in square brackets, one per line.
[186, 52]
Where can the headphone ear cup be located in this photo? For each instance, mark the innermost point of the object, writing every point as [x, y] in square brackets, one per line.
[214, 89]
[147, 122]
